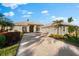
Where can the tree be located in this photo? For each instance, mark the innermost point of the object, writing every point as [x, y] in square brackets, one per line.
[1, 15]
[5, 22]
[57, 24]
[27, 20]
[70, 19]
[2, 22]
[72, 28]
[9, 23]
[76, 31]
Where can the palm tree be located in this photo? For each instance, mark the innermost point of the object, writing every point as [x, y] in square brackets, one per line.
[9, 23]
[70, 19]
[72, 28]
[76, 32]
[57, 24]
[5, 22]
[2, 22]
[1, 15]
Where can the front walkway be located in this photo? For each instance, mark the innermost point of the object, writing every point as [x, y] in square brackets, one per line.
[33, 44]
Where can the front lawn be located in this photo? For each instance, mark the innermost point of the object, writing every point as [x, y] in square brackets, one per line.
[9, 51]
[71, 39]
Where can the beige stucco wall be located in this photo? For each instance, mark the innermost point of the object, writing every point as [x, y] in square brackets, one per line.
[63, 30]
[39, 27]
[52, 30]
[18, 28]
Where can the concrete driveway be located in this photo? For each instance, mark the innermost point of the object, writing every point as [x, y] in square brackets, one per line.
[33, 44]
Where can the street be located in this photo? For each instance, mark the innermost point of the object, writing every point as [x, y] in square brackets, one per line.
[35, 44]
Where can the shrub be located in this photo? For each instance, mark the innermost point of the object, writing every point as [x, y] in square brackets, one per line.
[21, 34]
[72, 39]
[12, 38]
[2, 40]
[9, 38]
[67, 38]
[56, 36]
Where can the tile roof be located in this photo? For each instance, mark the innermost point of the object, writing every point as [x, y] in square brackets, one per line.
[64, 24]
[27, 23]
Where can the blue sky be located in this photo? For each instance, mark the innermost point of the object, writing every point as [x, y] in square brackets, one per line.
[40, 12]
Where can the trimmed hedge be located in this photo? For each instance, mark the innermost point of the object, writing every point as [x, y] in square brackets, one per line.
[10, 38]
[2, 40]
[56, 36]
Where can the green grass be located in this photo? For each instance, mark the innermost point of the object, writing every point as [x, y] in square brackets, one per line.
[66, 38]
[72, 39]
[9, 51]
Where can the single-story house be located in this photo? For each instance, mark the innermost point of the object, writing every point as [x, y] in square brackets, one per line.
[27, 27]
[51, 29]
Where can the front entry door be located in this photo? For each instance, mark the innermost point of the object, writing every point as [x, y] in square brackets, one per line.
[31, 29]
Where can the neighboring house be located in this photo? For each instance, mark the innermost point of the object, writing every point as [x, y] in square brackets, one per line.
[27, 27]
[50, 29]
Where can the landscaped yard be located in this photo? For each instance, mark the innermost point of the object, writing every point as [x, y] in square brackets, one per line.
[66, 38]
[9, 51]
[9, 43]
[72, 39]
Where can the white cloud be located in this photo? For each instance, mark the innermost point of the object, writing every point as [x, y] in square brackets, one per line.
[29, 13]
[58, 18]
[23, 11]
[9, 13]
[44, 12]
[53, 17]
[26, 16]
[75, 22]
[12, 5]
[26, 13]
